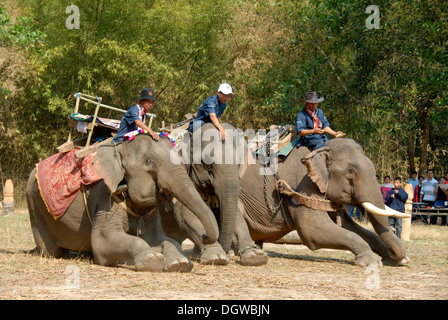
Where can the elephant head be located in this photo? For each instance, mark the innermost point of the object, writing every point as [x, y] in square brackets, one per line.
[145, 165]
[218, 173]
[345, 175]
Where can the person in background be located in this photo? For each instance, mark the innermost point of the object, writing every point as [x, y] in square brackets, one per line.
[354, 209]
[441, 197]
[385, 187]
[418, 189]
[413, 180]
[396, 199]
[427, 194]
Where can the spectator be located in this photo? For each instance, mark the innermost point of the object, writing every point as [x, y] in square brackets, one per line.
[386, 187]
[413, 180]
[418, 189]
[441, 197]
[427, 194]
[353, 209]
[396, 198]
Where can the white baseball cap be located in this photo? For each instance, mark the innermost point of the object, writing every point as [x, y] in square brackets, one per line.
[225, 88]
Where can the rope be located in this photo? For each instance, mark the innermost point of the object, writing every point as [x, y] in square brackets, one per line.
[85, 203]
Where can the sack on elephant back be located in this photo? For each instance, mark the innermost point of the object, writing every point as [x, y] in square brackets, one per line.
[60, 177]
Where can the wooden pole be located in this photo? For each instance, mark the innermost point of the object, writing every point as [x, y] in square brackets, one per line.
[76, 110]
[8, 197]
[406, 223]
[94, 121]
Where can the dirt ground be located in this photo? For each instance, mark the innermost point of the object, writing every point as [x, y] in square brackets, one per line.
[293, 272]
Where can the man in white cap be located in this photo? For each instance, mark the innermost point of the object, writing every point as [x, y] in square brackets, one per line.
[212, 108]
[311, 124]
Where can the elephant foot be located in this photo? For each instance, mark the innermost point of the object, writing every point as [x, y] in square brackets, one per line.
[214, 255]
[368, 259]
[178, 265]
[253, 256]
[390, 262]
[154, 262]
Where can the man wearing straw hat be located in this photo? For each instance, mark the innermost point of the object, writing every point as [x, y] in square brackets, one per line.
[135, 117]
[311, 123]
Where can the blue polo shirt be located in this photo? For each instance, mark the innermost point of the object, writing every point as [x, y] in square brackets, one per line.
[305, 121]
[210, 105]
[127, 123]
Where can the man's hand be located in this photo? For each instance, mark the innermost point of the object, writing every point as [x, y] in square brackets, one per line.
[223, 134]
[154, 135]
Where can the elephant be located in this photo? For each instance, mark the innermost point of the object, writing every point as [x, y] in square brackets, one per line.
[325, 179]
[114, 235]
[216, 175]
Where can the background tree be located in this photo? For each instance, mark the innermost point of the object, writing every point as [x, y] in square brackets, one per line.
[386, 87]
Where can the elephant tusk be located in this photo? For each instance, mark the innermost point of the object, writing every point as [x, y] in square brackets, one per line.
[384, 212]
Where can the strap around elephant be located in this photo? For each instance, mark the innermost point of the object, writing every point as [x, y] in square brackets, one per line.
[309, 202]
[123, 204]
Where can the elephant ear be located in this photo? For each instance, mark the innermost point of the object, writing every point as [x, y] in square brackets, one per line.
[317, 165]
[107, 164]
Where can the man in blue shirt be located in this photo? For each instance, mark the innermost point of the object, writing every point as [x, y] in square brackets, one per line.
[413, 180]
[311, 124]
[135, 117]
[211, 109]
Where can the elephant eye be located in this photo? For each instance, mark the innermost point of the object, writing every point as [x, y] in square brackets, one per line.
[148, 161]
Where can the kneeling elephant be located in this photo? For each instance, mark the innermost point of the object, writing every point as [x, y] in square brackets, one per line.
[113, 235]
[325, 179]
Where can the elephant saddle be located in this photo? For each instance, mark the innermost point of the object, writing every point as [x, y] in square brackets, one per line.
[60, 178]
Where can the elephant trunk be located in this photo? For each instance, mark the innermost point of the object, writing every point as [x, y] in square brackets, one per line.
[184, 190]
[380, 223]
[228, 201]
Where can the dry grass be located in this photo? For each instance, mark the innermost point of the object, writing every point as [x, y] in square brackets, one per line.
[293, 272]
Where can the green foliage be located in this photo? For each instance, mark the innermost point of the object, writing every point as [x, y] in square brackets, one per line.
[21, 34]
[386, 87]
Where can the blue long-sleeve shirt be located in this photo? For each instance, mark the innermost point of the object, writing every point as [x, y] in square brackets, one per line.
[396, 203]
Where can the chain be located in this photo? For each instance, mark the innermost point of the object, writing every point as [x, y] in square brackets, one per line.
[275, 208]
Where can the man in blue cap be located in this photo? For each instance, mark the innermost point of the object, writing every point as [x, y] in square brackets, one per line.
[135, 117]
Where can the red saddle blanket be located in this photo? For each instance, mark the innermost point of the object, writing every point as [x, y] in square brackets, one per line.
[60, 178]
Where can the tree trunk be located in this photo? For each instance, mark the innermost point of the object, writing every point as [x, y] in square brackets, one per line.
[410, 137]
[425, 117]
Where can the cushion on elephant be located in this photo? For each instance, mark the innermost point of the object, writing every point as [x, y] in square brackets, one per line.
[60, 178]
